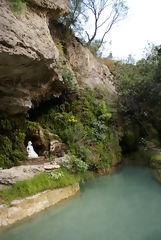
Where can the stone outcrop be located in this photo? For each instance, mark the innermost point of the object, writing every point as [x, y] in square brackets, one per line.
[86, 68]
[30, 59]
[10, 176]
[28, 55]
[44, 142]
[20, 209]
[89, 70]
[54, 8]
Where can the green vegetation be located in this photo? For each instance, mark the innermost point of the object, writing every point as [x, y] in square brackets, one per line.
[14, 130]
[12, 136]
[18, 6]
[101, 15]
[138, 86]
[75, 165]
[39, 183]
[59, 45]
[87, 126]
[156, 157]
[68, 78]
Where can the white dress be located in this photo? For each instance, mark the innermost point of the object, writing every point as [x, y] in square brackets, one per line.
[30, 151]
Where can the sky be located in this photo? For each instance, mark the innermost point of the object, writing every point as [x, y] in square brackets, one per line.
[142, 24]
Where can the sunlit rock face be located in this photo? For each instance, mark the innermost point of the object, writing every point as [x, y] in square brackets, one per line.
[88, 71]
[55, 8]
[28, 55]
[30, 63]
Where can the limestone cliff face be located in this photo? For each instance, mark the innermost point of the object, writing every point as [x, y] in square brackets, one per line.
[30, 61]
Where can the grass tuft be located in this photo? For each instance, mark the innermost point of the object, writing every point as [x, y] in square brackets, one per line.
[39, 183]
[156, 157]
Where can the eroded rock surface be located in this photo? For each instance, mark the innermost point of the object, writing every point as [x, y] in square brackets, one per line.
[20, 209]
[31, 64]
[10, 176]
[86, 68]
[55, 8]
[28, 56]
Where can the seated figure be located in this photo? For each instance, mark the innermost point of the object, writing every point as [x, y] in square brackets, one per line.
[30, 151]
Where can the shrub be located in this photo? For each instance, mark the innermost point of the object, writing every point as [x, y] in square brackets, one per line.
[12, 137]
[109, 63]
[156, 157]
[105, 116]
[84, 122]
[17, 6]
[56, 175]
[75, 165]
[68, 77]
[59, 46]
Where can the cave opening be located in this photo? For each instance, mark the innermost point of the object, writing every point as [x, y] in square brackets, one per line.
[43, 107]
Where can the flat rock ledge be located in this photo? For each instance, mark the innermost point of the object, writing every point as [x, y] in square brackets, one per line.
[20, 209]
[10, 176]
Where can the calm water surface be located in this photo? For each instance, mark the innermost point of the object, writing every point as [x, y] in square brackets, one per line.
[123, 206]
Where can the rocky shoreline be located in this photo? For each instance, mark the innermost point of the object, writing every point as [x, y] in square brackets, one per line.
[20, 209]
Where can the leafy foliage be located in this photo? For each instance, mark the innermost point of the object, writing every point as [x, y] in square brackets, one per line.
[156, 158]
[139, 93]
[18, 6]
[12, 136]
[86, 125]
[82, 124]
[101, 14]
[68, 78]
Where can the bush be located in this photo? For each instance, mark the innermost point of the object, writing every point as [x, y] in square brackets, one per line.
[78, 165]
[156, 157]
[59, 46]
[109, 63]
[82, 124]
[12, 137]
[17, 6]
[68, 77]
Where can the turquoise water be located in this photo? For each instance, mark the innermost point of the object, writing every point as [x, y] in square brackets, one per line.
[123, 206]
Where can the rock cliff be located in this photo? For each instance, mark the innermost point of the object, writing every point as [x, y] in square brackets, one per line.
[30, 60]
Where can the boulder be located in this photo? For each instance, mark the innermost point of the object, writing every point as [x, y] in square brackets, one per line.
[10, 176]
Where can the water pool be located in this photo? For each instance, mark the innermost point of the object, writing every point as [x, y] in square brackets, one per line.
[123, 206]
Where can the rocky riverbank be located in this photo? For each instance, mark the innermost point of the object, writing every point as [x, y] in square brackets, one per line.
[20, 209]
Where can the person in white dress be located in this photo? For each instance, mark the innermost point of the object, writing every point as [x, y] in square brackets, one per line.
[30, 151]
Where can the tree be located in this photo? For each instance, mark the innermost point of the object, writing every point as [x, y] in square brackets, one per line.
[101, 14]
[105, 13]
[139, 88]
[75, 17]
